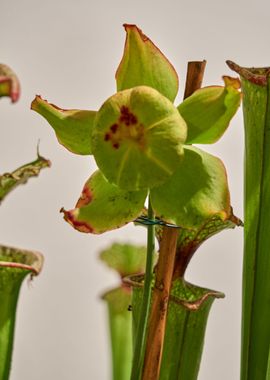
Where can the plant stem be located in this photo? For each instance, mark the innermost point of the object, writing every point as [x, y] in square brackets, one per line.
[157, 324]
[139, 349]
[165, 267]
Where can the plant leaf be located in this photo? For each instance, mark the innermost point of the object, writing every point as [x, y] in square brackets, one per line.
[256, 265]
[197, 191]
[208, 111]
[126, 259]
[144, 64]
[189, 306]
[103, 206]
[73, 128]
[9, 83]
[120, 322]
[9, 181]
[15, 265]
[138, 138]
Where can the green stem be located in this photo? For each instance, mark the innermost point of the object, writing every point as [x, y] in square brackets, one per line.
[139, 349]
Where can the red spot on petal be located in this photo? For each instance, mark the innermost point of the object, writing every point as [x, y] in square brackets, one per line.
[107, 136]
[114, 128]
[127, 117]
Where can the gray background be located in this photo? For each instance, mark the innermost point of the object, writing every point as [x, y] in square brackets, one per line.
[68, 52]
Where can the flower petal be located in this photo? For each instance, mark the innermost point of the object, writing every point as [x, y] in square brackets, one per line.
[144, 64]
[73, 128]
[103, 206]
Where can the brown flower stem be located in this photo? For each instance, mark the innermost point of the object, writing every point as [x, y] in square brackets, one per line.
[157, 322]
[194, 77]
[165, 267]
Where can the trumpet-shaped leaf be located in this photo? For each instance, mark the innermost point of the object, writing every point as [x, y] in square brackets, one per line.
[189, 306]
[103, 206]
[9, 83]
[15, 265]
[138, 138]
[209, 111]
[126, 259]
[144, 64]
[196, 191]
[256, 266]
[9, 181]
[73, 128]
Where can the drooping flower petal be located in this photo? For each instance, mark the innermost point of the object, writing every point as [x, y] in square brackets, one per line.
[144, 64]
[138, 138]
[197, 191]
[73, 128]
[209, 111]
[103, 206]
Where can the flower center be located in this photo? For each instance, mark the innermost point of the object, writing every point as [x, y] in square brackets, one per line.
[127, 128]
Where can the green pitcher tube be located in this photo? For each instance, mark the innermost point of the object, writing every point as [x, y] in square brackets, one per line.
[15, 265]
[189, 307]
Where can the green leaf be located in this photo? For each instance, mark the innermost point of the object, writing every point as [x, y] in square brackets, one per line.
[9, 181]
[73, 128]
[126, 259]
[15, 265]
[209, 111]
[9, 83]
[256, 266]
[144, 64]
[138, 138]
[189, 307]
[103, 206]
[120, 323]
[197, 191]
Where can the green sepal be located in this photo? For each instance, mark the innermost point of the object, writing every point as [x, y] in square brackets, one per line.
[195, 192]
[138, 138]
[144, 64]
[208, 111]
[73, 128]
[9, 181]
[103, 206]
[9, 83]
[15, 265]
[126, 259]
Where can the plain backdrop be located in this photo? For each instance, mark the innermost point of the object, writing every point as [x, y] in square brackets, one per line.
[68, 52]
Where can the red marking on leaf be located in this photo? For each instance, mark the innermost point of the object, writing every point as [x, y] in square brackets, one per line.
[77, 224]
[85, 198]
[116, 145]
